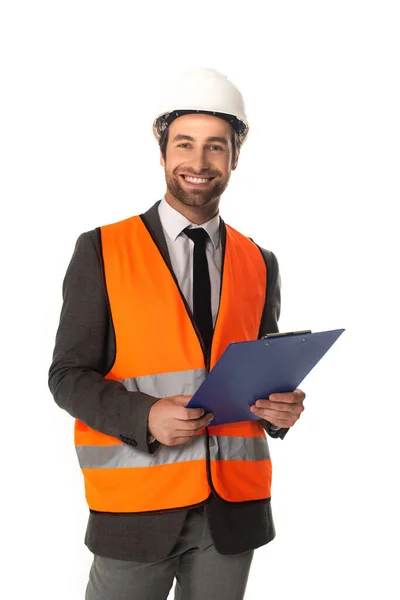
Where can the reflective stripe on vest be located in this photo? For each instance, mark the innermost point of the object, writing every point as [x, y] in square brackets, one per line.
[121, 456]
[165, 384]
[158, 353]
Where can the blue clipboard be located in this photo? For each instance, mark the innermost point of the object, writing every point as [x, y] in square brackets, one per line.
[249, 371]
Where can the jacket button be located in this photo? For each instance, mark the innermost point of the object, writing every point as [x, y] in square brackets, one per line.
[127, 440]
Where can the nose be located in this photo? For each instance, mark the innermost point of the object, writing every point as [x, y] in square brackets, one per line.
[200, 161]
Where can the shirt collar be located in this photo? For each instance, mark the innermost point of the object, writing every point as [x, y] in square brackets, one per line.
[174, 223]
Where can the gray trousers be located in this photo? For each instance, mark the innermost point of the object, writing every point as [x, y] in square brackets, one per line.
[200, 571]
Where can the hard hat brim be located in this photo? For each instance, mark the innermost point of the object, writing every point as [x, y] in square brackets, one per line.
[164, 120]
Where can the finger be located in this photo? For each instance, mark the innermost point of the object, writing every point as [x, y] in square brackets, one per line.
[288, 397]
[289, 411]
[271, 415]
[187, 414]
[286, 423]
[279, 406]
[188, 434]
[276, 418]
[180, 440]
[194, 424]
[182, 400]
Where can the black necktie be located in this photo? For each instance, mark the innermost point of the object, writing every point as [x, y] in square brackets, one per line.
[201, 285]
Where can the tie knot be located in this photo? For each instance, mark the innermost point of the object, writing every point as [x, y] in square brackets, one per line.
[197, 235]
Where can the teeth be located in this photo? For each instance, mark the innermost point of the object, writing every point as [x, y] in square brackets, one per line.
[195, 179]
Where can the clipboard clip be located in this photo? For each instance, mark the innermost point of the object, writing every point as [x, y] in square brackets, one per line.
[272, 335]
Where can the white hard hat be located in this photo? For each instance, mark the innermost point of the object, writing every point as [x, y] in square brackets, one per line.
[205, 91]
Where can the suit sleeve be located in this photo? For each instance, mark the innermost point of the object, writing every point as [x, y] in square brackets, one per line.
[270, 318]
[84, 353]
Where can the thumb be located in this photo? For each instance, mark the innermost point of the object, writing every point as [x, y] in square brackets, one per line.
[182, 400]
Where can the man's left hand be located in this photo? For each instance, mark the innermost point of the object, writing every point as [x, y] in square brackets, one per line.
[281, 409]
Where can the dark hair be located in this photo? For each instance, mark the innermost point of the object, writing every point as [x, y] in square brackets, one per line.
[236, 144]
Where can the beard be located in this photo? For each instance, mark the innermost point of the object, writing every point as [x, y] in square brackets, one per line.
[193, 197]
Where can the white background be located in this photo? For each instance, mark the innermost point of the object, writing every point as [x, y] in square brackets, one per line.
[317, 183]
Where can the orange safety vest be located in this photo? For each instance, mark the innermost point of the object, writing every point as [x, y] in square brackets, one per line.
[158, 352]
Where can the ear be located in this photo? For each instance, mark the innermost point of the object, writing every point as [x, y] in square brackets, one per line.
[235, 162]
[162, 161]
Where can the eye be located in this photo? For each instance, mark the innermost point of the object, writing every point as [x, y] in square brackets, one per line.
[184, 144]
[215, 147]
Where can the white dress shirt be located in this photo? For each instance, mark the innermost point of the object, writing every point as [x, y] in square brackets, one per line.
[180, 249]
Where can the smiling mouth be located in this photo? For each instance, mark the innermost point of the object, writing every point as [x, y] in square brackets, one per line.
[198, 181]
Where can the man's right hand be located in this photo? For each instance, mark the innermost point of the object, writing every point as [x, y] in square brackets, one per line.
[172, 423]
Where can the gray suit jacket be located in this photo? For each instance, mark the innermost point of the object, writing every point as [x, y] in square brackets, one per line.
[84, 352]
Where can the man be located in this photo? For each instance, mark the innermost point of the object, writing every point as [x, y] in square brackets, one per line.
[150, 303]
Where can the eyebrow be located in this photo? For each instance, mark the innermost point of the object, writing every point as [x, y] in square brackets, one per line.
[180, 136]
